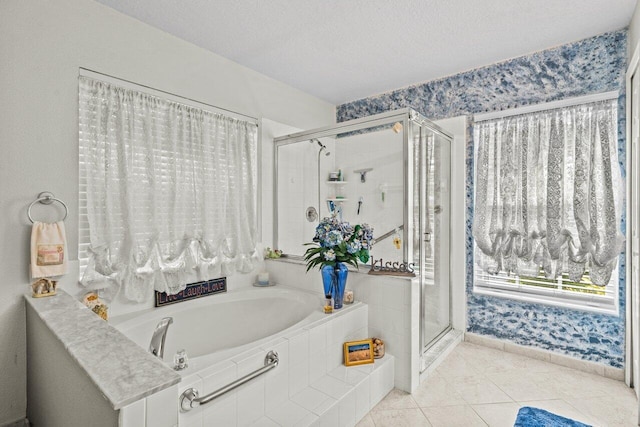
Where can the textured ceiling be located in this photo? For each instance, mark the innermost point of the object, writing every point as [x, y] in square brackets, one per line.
[342, 50]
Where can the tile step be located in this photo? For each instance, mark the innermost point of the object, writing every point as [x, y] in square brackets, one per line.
[340, 398]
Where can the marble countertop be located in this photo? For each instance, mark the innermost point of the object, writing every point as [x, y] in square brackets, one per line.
[121, 370]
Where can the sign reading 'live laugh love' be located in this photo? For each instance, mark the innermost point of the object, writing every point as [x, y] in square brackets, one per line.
[192, 291]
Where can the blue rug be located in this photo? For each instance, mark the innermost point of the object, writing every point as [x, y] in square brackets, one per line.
[534, 417]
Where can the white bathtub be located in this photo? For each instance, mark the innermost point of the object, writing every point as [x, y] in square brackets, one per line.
[217, 327]
[226, 336]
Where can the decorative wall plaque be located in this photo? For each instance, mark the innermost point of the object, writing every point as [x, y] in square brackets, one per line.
[192, 291]
[392, 268]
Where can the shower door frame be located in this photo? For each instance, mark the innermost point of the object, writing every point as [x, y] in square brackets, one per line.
[422, 123]
[403, 116]
[406, 116]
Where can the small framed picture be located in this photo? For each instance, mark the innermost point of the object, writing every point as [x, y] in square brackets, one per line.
[358, 352]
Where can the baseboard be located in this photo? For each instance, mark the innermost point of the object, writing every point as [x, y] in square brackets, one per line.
[547, 356]
[23, 422]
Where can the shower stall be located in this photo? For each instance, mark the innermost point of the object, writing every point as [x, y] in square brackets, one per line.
[391, 171]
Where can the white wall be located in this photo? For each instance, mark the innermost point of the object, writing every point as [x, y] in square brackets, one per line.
[298, 190]
[42, 45]
[270, 130]
[634, 31]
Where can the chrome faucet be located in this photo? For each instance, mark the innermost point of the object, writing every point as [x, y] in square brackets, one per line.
[159, 335]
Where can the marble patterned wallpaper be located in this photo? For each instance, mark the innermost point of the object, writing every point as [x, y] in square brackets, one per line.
[589, 66]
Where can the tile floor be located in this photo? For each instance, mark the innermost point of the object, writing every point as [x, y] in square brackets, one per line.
[480, 386]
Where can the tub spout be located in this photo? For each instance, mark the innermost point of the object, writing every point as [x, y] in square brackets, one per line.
[159, 335]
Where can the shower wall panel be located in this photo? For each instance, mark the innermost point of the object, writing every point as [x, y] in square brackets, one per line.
[382, 152]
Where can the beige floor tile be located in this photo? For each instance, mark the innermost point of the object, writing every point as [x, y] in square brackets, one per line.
[478, 389]
[514, 362]
[562, 408]
[479, 352]
[366, 422]
[453, 416]
[477, 385]
[570, 383]
[488, 360]
[618, 410]
[456, 366]
[498, 414]
[474, 351]
[400, 418]
[436, 391]
[396, 399]
[522, 385]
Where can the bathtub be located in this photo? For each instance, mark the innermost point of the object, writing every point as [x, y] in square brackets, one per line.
[217, 327]
[227, 336]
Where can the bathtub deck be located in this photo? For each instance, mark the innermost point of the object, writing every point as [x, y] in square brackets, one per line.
[127, 375]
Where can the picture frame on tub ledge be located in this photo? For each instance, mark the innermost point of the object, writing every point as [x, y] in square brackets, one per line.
[358, 352]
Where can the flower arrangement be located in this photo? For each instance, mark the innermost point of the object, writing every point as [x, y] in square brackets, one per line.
[337, 241]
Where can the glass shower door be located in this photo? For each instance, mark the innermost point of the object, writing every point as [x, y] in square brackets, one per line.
[432, 152]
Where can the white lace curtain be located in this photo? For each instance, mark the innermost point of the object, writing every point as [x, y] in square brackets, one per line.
[548, 190]
[171, 191]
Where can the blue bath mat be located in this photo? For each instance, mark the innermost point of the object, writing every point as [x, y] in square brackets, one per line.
[534, 417]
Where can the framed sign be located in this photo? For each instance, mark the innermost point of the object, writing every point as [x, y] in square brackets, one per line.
[358, 352]
[192, 291]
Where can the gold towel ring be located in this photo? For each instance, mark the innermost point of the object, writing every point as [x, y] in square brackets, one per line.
[46, 198]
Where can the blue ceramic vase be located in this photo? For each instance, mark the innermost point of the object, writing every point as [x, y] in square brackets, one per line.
[334, 280]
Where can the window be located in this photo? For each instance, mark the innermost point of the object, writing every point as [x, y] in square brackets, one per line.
[548, 205]
[560, 291]
[168, 192]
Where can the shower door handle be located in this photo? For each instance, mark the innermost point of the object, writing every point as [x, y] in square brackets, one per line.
[427, 237]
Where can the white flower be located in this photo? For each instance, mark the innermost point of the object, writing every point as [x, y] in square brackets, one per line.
[329, 255]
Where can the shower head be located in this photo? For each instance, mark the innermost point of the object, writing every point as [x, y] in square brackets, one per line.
[322, 146]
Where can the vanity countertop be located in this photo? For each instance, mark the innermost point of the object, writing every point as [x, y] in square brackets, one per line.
[121, 370]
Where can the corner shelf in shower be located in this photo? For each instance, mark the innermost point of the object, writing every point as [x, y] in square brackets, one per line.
[338, 189]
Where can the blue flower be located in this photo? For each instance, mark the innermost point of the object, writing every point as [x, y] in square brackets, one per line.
[347, 230]
[334, 238]
[353, 247]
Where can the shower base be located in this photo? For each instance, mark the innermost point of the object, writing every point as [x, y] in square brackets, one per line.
[432, 358]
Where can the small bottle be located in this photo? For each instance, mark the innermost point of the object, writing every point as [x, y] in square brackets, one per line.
[348, 297]
[328, 307]
[180, 360]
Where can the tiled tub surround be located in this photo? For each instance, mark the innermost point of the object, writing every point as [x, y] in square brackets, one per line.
[585, 67]
[309, 387]
[393, 311]
[101, 371]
